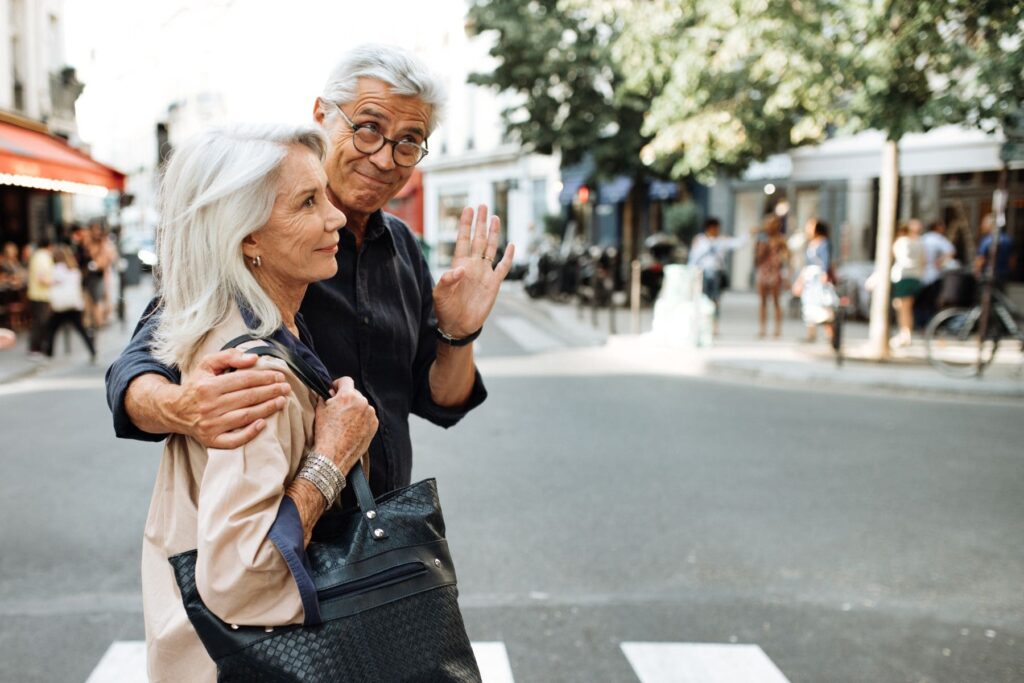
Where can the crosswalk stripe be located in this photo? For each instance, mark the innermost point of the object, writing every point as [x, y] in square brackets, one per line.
[125, 662]
[493, 661]
[701, 663]
[527, 335]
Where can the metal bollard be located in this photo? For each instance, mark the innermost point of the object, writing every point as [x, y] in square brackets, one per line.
[634, 295]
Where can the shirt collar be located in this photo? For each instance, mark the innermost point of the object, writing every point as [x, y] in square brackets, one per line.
[378, 226]
[303, 346]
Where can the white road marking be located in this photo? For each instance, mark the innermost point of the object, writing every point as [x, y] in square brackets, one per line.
[527, 335]
[493, 661]
[125, 662]
[29, 386]
[701, 663]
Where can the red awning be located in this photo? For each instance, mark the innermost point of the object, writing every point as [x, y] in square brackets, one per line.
[27, 154]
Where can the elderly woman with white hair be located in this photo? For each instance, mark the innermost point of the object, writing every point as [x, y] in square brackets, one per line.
[247, 227]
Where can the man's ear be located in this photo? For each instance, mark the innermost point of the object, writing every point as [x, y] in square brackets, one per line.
[318, 112]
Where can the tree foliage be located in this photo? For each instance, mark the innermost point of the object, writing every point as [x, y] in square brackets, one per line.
[557, 57]
[734, 82]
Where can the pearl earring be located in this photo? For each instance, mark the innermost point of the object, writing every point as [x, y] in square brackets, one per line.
[257, 261]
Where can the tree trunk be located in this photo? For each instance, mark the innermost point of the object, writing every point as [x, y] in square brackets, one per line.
[888, 187]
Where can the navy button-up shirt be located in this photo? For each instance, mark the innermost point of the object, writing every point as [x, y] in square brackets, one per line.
[374, 322]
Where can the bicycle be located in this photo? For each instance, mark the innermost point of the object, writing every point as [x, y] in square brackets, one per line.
[953, 336]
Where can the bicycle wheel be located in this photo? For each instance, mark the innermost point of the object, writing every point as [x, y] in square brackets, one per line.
[952, 342]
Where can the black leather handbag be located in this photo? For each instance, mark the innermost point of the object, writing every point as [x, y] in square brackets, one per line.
[385, 586]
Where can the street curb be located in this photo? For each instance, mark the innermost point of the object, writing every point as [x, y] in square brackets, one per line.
[893, 383]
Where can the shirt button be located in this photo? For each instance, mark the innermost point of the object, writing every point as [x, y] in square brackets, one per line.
[366, 320]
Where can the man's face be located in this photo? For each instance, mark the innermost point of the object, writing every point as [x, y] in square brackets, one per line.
[363, 183]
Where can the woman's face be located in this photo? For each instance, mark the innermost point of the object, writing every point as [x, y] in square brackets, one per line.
[298, 244]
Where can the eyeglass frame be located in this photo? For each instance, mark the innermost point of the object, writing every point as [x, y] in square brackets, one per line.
[384, 140]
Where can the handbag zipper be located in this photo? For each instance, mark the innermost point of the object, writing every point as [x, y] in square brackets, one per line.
[374, 581]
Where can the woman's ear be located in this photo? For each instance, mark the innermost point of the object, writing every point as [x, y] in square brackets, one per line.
[318, 112]
[250, 246]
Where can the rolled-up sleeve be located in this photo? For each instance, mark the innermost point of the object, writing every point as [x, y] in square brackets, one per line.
[135, 360]
[251, 567]
[423, 403]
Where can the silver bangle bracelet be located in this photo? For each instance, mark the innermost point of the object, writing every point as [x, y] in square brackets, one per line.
[321, 472]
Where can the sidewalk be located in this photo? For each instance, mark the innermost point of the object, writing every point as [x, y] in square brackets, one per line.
[738, 354]
[70, 352]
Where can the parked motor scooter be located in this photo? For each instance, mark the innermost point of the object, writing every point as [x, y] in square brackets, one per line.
[542, 273]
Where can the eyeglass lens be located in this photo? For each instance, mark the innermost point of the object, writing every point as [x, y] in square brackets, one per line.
[405, 153]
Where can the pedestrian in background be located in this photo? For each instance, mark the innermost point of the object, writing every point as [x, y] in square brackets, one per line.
[66, 300]
[1005, 258]
[771, 259]
[939, 255]
[40, 272]
[708, 253]
[908, 262]
[101, 254]
[12, 273]
[813, 285]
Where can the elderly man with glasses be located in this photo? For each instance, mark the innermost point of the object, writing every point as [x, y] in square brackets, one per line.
[406, 342]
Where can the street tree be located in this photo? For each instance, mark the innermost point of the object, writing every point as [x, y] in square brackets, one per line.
[557, 57]
[735, 82]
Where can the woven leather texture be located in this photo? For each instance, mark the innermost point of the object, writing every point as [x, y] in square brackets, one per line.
[420, 637]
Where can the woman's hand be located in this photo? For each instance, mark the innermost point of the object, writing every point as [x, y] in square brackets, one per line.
[345, 425]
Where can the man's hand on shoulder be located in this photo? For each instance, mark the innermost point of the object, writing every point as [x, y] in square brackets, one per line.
[217, 407]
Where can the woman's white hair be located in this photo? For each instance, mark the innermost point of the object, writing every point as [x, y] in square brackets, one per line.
[218, 188]
[403, 71]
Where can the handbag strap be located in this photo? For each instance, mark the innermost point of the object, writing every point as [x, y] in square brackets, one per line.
[312, 379]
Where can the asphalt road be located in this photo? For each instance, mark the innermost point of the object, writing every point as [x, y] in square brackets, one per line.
[851, 537]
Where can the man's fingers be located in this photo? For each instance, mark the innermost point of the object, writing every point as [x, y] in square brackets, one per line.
[253, 396]
[479, 232]
[505, 264]
[462, 239]
[243, 417]
[239, 437]
[247, 379]
[216, 363]
[493, 235]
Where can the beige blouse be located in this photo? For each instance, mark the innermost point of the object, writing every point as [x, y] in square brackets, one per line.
[223, 503]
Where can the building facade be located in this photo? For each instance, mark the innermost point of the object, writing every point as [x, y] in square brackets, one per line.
[471, 159]
[46, 181]
[947, 174]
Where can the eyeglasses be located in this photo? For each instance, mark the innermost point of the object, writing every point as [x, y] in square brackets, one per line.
[368, 140]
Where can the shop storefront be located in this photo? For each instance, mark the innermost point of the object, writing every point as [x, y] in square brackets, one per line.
[40, 174]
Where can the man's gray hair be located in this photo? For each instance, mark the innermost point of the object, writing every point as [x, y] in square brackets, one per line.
[406, 73]
[218, 188]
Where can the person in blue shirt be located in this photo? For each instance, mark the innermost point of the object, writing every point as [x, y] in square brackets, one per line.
[1005, 258]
